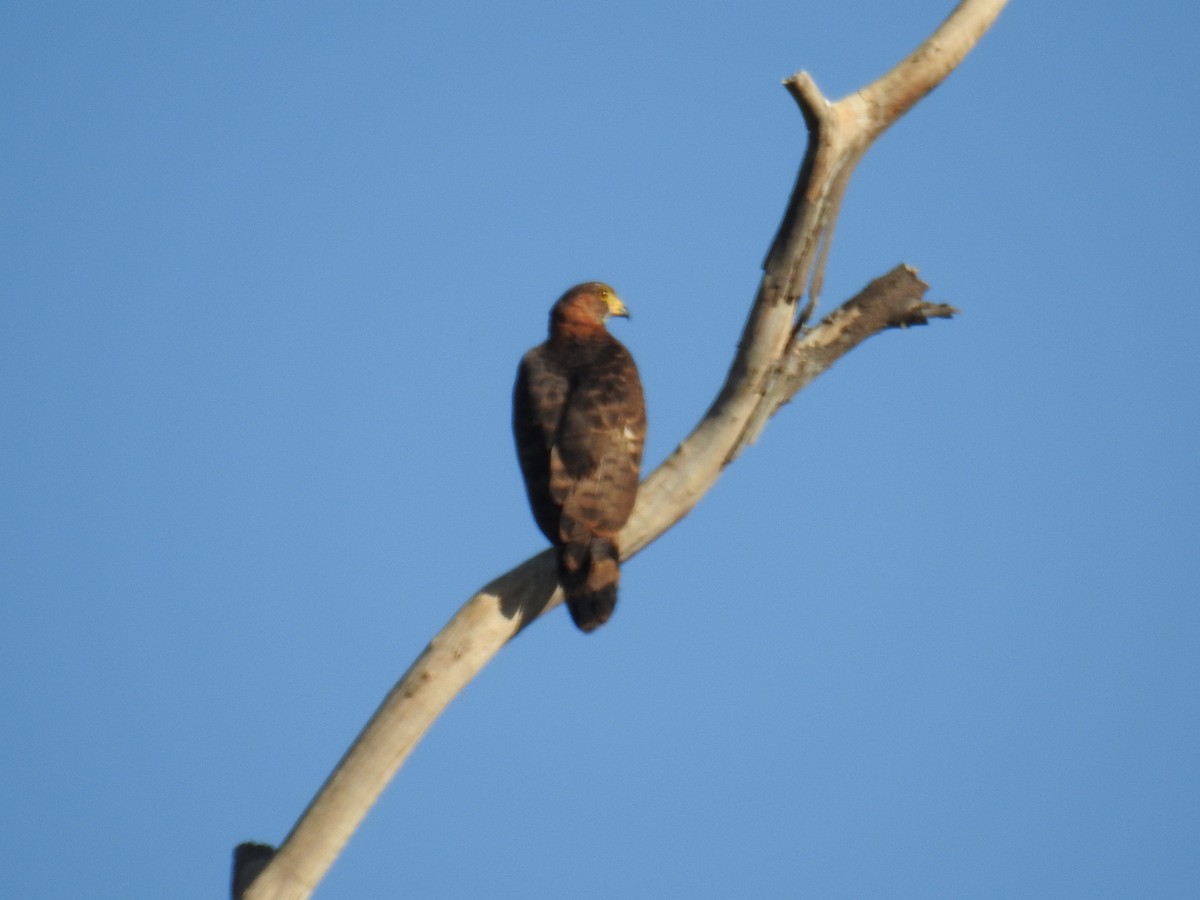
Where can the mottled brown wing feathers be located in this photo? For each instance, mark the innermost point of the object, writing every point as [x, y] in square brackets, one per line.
[538, 400]
[594, 474]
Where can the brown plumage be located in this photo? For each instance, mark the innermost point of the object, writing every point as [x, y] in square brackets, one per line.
[579, 420]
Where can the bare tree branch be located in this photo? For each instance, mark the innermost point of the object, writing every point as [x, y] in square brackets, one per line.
[777, 356]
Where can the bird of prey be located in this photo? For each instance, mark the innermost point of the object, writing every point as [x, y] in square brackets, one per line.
[579, 419]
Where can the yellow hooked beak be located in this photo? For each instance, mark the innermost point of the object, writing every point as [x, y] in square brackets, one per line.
[615, 306]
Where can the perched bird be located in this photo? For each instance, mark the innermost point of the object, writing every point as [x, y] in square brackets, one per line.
[579, 419]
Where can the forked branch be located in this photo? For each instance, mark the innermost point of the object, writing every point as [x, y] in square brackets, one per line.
[778, 354]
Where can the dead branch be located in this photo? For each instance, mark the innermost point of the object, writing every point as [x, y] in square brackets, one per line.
[778, 354]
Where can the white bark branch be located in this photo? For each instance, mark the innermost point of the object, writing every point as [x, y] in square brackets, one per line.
[777, 355]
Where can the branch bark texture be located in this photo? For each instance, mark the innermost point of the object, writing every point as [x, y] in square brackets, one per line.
[778, 354]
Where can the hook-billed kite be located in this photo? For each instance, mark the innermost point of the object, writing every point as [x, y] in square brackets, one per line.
[579, 420]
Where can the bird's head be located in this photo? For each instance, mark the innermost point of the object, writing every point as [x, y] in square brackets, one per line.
[585, 308]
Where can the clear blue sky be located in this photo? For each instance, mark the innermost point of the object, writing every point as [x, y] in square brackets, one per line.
[265, 274]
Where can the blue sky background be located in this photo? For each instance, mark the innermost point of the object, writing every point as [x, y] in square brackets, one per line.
[265, 274]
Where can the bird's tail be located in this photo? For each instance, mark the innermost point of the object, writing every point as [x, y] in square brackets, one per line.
[589, 572]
